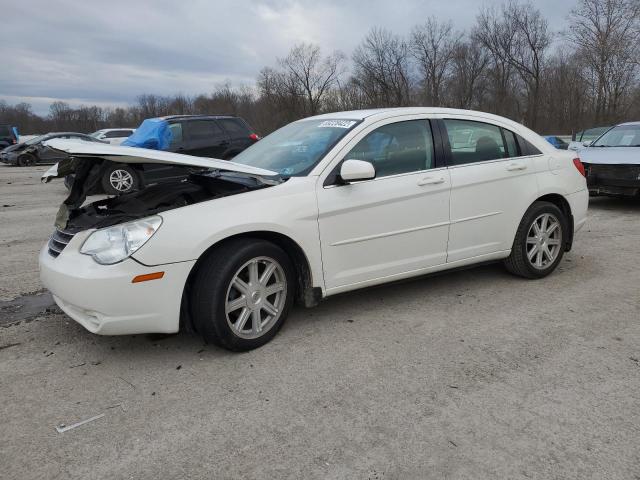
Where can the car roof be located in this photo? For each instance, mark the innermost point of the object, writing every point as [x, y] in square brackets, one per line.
[196, 117]
[113, 129]
[397, 111]
[64, 133]
[628, 123]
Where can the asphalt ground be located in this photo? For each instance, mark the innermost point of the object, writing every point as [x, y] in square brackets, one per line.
[473, 374]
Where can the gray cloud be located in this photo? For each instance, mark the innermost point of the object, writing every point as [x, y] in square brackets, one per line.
[109, 52]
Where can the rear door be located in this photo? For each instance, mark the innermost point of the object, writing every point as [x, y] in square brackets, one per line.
[492, 184]
[238, 132]
[205, 138]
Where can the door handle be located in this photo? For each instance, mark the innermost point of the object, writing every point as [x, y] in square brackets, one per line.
[430, 181]
[513, 167]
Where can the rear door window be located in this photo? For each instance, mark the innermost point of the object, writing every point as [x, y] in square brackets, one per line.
[234, 127]
[472, 141]
[512, 144]
[203, 130]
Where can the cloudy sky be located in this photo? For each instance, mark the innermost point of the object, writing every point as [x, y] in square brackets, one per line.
[108, 52]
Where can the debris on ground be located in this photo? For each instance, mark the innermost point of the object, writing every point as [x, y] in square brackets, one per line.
[64, 428]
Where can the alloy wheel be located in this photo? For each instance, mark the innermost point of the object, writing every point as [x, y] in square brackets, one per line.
[256, 297]
[544, 241]
[121, 180]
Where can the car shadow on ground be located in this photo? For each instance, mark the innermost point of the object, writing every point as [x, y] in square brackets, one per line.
[614, 203]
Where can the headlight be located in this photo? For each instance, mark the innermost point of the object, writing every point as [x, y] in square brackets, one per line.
[114, 244]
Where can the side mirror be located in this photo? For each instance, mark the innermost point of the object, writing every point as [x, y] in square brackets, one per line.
[587, 143]
[356, 170]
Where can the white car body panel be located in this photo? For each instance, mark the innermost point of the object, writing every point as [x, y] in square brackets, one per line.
[352, 236]
[380, 228]
[288, 209]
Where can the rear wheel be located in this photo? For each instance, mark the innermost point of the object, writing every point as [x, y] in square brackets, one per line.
[26, 160]
[242, 294]
[119, 179]
[540, 241]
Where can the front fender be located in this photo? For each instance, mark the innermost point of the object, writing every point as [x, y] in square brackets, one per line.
[288, 209]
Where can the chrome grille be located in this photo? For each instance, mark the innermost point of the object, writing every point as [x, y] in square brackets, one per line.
[58, 240]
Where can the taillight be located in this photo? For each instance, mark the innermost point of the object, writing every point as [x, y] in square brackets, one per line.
[579, 166]
[254, 137]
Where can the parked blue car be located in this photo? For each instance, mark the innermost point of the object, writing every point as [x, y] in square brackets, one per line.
[557, 142]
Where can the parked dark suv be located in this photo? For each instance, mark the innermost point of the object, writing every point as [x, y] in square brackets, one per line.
[7, 136]
[216, 136]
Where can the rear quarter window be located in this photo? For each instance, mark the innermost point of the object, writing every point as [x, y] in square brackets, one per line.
[527, 148]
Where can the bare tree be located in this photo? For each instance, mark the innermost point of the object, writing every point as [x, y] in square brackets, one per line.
[606, 34]
[518, 36]
[381, 65]
[466, 82]
[313, 74]
[434, 45]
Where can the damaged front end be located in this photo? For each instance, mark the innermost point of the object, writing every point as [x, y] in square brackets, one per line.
[207, 184]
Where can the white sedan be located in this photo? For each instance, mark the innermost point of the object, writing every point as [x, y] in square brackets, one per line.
[114, 136]
[322, 206]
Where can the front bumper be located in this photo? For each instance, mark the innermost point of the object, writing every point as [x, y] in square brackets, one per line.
[9, 157]
[618, 180]
[103, 299]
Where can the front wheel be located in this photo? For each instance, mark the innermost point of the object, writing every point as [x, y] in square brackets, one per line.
[242, 294]
[27, 160]
[539, 243]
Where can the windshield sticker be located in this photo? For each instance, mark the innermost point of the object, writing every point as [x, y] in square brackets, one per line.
[337, 124]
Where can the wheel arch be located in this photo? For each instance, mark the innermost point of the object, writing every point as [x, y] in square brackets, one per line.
[561, 202]
[306, 294]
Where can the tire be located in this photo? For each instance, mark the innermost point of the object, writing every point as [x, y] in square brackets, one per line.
[27, 160]
[118, 179]
[533, 254]
[223, 313]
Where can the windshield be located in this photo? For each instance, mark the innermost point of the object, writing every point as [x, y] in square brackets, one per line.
[96, 134]
[620, 136]
[592, 134]
[296, 148]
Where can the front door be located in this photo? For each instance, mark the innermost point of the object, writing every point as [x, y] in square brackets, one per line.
[394, 224]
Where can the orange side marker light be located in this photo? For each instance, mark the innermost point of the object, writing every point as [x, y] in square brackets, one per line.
[147, 277]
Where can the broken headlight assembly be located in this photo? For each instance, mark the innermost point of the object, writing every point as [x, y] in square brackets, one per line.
[114, 244]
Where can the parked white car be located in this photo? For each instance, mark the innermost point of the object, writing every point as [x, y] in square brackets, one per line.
[114, 136]
[612, 162]
[583, 139]
[324, 205]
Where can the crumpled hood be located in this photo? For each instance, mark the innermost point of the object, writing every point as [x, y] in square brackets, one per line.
[610, 155]
[13, 148]
[120, 154]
